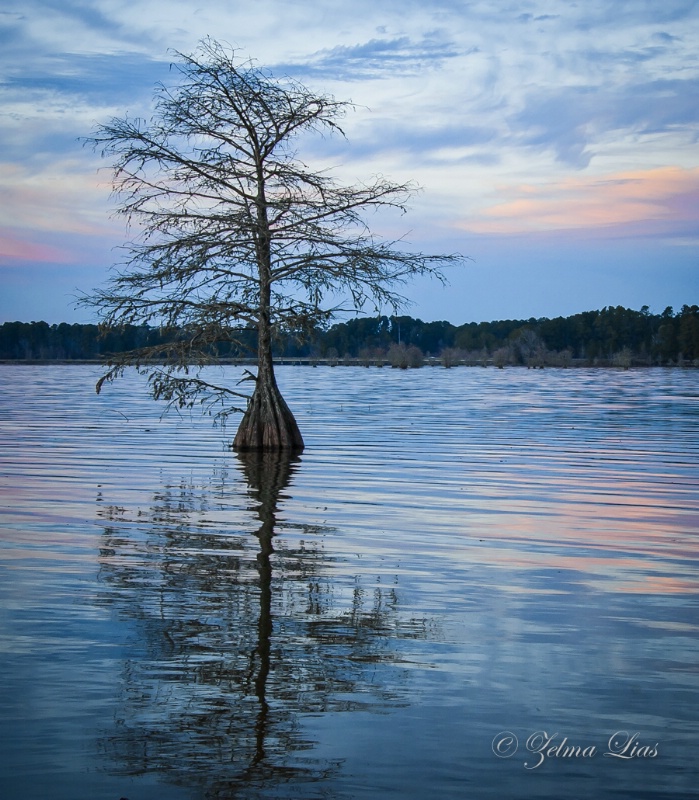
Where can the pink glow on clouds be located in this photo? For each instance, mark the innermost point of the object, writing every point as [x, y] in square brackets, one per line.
[658, 197]
[13, 248]
[64, 199]
[55, 216]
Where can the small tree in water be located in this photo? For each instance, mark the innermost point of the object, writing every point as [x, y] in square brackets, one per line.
[236, 232]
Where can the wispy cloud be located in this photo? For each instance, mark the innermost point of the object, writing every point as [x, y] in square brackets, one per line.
[599, 13]
[13, 249]
[382, 57]
[94, 77]
[574, 121]
[663, 201]
[62, 198]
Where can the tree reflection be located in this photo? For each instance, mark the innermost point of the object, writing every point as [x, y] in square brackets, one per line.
[239, 635]
[267, 475]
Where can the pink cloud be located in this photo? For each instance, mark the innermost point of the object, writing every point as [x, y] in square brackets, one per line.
[664, 199]
[62, 199]
[13, 248]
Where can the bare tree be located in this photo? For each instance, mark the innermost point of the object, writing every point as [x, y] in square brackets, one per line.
[234, 231]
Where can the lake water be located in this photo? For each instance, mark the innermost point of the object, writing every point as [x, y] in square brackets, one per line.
[472, 583]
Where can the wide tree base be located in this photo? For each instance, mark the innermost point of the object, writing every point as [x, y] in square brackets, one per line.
[268, 424]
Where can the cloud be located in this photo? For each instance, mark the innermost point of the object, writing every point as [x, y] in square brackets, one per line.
[527, 17]
[425, 141]
[90, 76]
[63, 199]
[572, 121]
[663, 201]
[666, 38]
[600, 13]
[14, 249]
[385, 57]
[59, 98]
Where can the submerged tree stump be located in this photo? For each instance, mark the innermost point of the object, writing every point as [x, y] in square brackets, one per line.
[268, 423]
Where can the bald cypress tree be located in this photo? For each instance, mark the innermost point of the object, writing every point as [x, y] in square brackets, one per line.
[235, 231]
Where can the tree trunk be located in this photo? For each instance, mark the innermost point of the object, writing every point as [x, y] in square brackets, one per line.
[268, 423]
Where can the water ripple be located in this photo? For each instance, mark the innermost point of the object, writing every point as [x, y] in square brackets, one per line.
[456, 552]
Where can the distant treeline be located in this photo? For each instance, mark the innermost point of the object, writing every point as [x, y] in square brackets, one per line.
[614, 335]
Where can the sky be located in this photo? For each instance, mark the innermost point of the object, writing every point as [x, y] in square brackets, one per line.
[556, 143]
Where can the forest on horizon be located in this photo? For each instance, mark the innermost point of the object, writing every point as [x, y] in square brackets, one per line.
[612, 336]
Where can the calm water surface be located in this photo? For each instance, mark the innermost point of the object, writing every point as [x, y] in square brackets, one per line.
[459, 557]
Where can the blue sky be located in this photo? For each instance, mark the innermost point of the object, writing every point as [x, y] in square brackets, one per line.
[556, 144]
